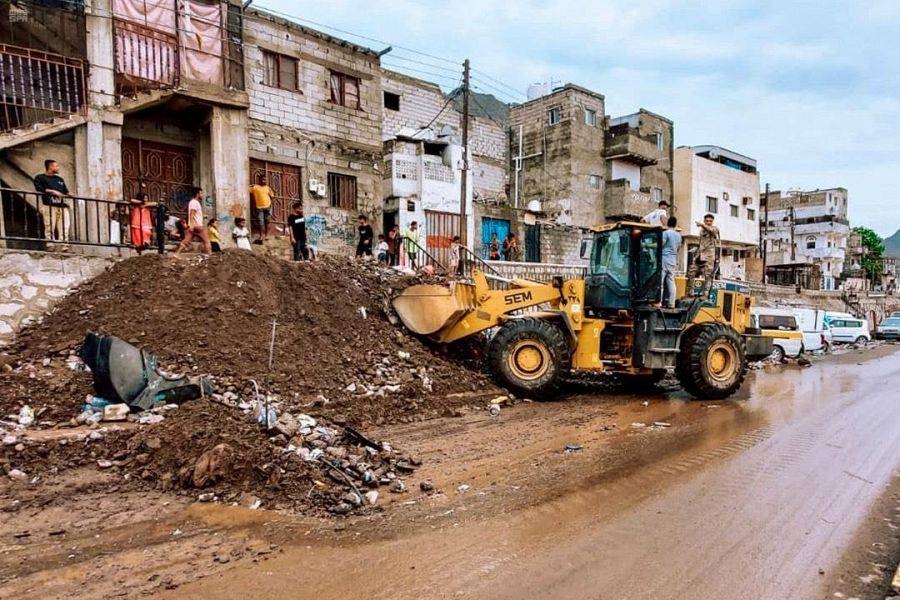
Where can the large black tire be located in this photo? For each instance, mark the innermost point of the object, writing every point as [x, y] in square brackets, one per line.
[712, 363]
[529, 357]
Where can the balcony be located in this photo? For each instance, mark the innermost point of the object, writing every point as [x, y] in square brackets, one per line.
[629, 146]
[38, 87]
[622, 202]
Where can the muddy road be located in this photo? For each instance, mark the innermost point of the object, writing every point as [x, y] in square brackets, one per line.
[771, 495]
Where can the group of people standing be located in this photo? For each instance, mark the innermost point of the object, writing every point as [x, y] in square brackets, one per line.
[704, 264]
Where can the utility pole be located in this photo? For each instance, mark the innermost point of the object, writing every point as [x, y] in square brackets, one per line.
[763, 233]
[464, 176]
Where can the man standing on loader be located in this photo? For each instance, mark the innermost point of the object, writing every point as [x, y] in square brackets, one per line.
[706, 263]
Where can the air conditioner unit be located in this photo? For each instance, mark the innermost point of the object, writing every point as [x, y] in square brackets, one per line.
[313, 185]
[725, 196]
[747, 200]
[320, 189]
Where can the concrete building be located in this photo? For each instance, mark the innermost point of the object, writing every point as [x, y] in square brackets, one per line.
[639, 156]
[572, 167]
[710, 179]
[423, 161]
[125, 101]
[808, 228]
[315, 126]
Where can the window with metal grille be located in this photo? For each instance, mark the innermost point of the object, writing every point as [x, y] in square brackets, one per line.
[344, 90]
[280, 71]
[342, 191]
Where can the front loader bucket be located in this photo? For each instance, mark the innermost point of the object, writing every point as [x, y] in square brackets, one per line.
[427, 309]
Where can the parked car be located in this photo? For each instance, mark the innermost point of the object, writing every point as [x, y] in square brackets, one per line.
[850, 330]
[894, 315]
[780, 325]
[816, 332]
[888, 329]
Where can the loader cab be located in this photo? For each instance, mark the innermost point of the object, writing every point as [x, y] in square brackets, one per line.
[625, 268]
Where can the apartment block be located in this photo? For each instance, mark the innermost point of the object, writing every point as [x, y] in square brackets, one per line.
[805, 228]
[714, 180]
[315, 126]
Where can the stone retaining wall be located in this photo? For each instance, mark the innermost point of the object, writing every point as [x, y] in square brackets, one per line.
[31, 282]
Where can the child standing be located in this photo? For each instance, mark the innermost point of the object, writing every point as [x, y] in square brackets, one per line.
[213, 229]
[241, 234]
[454, 256]
[381, 251]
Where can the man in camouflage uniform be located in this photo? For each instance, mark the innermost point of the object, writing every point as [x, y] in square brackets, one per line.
[706, 262]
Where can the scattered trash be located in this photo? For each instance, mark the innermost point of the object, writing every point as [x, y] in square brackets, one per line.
[17, 475]
[116, 412]
[104, 464]
[150, 419]
[26, 416]
[10, 440]
[266, 416]
[426, 486]
[661, 424]
[462, 489]
[572, 448]
[362, 311]
[638, 425]
[403, 355]
[645, 403]
[494, 410]
[372, 498]
[206, 497]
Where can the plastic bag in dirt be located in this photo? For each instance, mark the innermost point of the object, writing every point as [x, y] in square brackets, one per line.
[259, 413]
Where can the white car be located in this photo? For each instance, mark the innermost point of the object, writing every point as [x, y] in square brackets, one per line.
[888, 329]
[780, 325]
[850, 331]
[816, 333]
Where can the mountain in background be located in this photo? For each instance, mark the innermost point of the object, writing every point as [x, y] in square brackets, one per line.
[892, 244]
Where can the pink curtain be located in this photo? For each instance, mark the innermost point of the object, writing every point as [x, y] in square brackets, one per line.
[202, 37]
[156, 14]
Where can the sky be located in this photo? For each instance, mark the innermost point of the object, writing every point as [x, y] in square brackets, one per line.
[811, 90]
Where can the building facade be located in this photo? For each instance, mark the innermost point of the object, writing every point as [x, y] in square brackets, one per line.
[713, 180]
[315, 127]
[808, 228]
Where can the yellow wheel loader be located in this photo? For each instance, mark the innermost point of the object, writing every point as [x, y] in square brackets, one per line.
[609, 322]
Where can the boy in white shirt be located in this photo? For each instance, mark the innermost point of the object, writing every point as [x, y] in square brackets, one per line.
[658, 217]
[381, 250]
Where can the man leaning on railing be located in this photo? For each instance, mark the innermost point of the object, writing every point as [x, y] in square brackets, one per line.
[53, 208]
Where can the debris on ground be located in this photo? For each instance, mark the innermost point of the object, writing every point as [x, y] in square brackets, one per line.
[292, 437]
[569, 448]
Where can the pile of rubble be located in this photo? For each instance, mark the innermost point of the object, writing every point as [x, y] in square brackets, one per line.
[285, 437]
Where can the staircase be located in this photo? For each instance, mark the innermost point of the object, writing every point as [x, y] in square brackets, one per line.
[37, 131]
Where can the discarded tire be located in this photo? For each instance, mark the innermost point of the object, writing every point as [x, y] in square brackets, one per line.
[712, 362]
[529, 356]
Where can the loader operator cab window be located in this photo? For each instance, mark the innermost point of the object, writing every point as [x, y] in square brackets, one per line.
[609, 282]
[625, 270]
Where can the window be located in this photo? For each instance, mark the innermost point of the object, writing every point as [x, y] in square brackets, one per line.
[590, 117]
[712, 204]
[751, 214]
[280, 71]
[391, 101]
[344, 90]
[725, 196]
[656, 195]
[555, 115]
[342, 191]
[734, 211]
[660, 142]
[778, 322]
[811, 242]
[594, 181]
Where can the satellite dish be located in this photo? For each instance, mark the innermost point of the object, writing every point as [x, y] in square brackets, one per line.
[535, 206]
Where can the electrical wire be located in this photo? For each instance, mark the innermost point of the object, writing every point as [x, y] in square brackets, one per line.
[497, 81]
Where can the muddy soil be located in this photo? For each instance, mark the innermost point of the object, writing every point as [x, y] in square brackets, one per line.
[505, 492]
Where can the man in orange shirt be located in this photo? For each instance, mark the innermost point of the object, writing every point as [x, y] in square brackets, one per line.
[262, 196]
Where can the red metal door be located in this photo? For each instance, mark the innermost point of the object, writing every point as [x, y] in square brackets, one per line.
[162, 171]
[286, 182]
[440, 227]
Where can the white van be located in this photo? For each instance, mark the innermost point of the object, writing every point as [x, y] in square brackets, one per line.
[816, 332]
[850, 330]
[780, 325]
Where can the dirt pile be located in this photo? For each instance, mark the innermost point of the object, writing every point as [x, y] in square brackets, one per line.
[336, 352]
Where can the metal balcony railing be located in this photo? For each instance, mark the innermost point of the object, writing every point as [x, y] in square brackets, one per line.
[145, 58]
[36, 221]
[38, 86]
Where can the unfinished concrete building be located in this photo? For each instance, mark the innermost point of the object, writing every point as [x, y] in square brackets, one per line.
[129, 97]
[315, 126]
[423, 163]
[639, 156]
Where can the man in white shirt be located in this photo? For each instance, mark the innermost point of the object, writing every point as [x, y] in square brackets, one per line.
[658, 217]
[195, 224]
